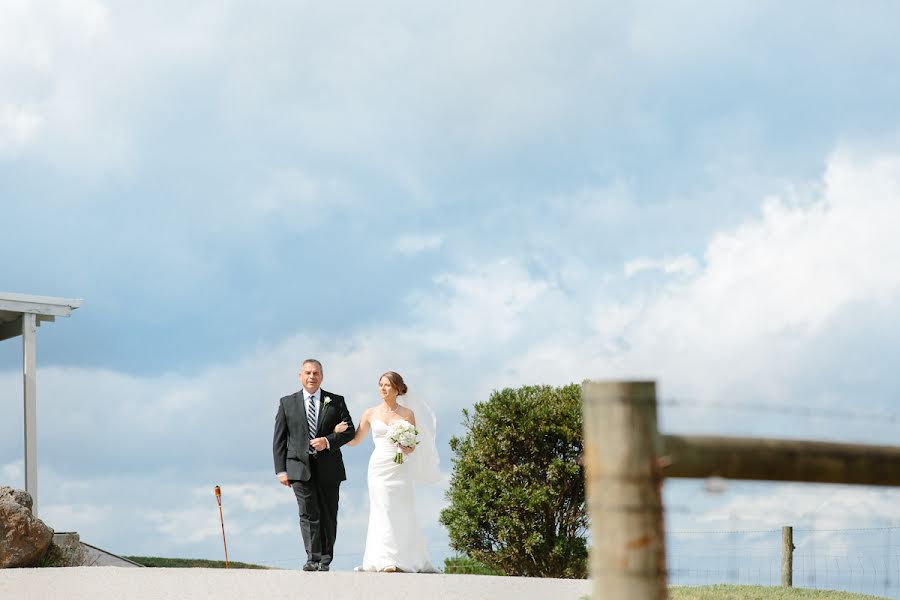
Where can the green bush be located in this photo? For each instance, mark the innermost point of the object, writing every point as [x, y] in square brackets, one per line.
[516, 495]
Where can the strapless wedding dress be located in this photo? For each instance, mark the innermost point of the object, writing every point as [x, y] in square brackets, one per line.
[394, 538]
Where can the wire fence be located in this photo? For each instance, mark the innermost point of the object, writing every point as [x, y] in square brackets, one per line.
[861, 560]
[787, 409]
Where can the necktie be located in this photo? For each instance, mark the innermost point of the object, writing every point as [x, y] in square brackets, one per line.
[311, 416]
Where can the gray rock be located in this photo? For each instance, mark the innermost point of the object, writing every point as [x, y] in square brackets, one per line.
[18, 496]
[24, 539]
[65, 550]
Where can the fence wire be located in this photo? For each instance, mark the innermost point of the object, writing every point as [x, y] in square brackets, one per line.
[864, 560]
[885, 417]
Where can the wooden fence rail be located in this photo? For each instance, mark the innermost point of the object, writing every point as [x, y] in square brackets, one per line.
[626, 461]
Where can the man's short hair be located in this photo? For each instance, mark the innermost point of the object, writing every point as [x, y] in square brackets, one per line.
[314, 362]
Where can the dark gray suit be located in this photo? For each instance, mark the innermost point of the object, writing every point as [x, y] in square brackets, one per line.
[315, 478]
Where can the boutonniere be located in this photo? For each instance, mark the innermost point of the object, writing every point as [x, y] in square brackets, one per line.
[326, 400]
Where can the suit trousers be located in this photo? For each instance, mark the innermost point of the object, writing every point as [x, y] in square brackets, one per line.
[318, 506]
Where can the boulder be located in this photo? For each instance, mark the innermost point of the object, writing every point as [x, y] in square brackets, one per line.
[18, 496]
[66, 550]
[24, 539]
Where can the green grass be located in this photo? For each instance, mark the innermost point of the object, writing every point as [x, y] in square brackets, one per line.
[757, 592]
[463, 565]
[188, 563]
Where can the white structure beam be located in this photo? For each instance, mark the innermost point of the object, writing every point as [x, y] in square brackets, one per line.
[29, 356]
[21, 314]
[38, 305]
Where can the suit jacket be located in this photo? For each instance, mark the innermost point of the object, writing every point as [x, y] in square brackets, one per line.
[290, 443]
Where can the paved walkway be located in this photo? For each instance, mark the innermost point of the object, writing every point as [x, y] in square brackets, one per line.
[113, 583]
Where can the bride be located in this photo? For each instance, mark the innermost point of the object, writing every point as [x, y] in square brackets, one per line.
[394, 542]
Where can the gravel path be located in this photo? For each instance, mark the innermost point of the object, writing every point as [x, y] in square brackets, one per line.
[114, 583]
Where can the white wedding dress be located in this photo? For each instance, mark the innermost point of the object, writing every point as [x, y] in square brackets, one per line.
[394, 538]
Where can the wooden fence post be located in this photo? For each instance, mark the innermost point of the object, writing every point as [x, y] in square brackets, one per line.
[623, 485]
[787, 556]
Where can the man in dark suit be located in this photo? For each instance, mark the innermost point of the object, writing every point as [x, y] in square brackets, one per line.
[308, 458]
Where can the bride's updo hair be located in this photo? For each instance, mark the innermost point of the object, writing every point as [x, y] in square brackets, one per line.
[396, 381]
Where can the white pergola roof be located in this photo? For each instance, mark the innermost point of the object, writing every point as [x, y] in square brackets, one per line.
[21, 314]
[45, 308]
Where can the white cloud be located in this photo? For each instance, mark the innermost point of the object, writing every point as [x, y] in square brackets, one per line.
[85, 516]
[770, 286]
[746, 324]
[417, 243]
[765, 292]
[829, 507]
[686, 265]
[190, 525]
[13, 473]
[251, 497]
[274, 529]
[85, 74]
[18, 126]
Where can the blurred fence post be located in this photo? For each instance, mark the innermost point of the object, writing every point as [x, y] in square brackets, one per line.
[623, 485]
[787, 556]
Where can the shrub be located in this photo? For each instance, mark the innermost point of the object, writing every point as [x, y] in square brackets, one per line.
[463, 565]
[516, 495]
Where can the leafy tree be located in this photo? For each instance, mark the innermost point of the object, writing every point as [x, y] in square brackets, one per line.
[516, 495]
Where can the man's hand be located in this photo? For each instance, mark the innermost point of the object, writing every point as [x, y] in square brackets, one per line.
[319, 444]
[284, 480]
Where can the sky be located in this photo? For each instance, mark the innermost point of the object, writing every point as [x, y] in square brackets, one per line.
[476, 195]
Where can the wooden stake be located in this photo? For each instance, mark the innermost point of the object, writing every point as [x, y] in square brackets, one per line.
[787, 556]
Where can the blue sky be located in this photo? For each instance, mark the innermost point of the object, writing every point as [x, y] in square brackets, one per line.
[474, 196]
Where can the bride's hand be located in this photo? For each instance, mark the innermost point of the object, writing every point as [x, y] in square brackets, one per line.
[341, 427]
[407, 449]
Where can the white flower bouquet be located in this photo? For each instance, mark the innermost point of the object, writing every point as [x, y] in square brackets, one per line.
[404, 434]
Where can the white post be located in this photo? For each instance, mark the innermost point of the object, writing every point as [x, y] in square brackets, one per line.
[29, 365]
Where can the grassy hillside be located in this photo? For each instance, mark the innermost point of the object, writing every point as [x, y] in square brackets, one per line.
[154, 561]
[756, 592]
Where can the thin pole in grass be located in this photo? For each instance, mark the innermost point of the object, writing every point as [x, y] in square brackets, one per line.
[222, 521]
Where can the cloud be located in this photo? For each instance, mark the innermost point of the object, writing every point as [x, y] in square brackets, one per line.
[413, 244]
[406, 90]
[683, 264]
[630, 191]
[827, 507]
[18, 126]
[771, 287]
[758, 317]
[768, 293]
[13, 473]
[84, 516]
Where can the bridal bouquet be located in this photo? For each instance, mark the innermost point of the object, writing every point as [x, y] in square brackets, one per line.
[403, 433]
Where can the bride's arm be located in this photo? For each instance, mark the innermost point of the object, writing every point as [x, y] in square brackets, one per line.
[361, 432]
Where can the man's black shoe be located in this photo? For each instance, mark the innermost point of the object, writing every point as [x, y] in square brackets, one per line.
[324, 567]
[311, 566]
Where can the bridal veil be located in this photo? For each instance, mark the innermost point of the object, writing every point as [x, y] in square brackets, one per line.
[424, 463]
